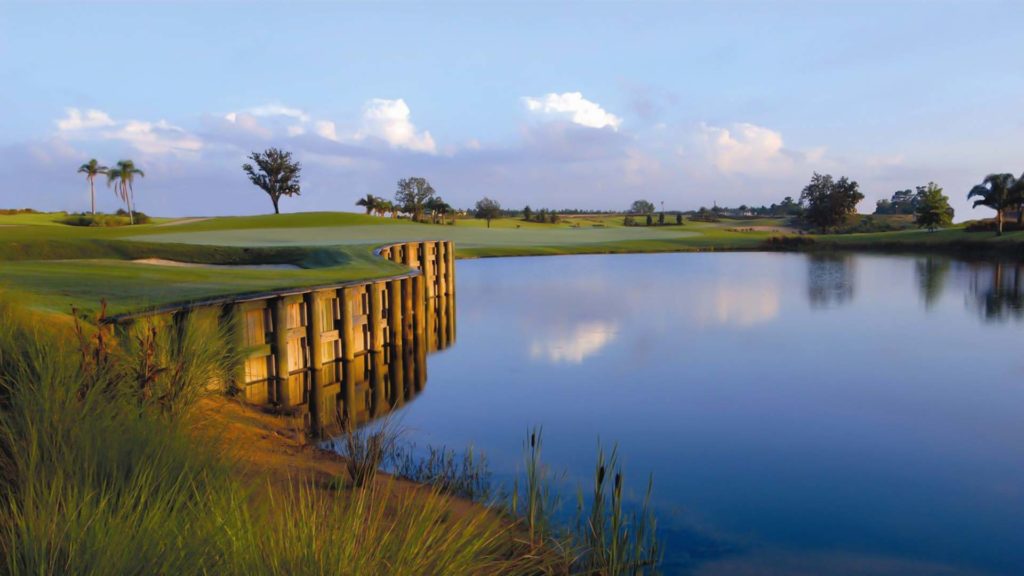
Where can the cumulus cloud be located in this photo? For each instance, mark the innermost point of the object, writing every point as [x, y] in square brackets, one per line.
[77, 120]
[148, 137]
[389, 120]
[745, 149]
[574, 107]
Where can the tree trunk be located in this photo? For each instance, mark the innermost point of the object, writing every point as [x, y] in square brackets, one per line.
[274, 199]
[131, 204]
[999, 222]
[92, 193]
[1020, 215]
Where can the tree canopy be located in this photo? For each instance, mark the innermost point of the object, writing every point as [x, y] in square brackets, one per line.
[412, 195]
[487, 209]
[641, 207]
[932, 207]
[275, 173]
[829, 202]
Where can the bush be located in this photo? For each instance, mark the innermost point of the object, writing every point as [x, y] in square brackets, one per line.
[14, 211]
[989, 225]
[786, 242]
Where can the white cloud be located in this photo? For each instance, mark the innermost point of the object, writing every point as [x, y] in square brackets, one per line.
[390, 121]
[575, 345]
[745, 149]
[573, 107]
[76, 120]
[155, 138]
[149, 137]
[278, 110]
[326, 129]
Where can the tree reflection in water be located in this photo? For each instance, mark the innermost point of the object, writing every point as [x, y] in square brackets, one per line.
[830, 279]
[997, 290]
[932, 274]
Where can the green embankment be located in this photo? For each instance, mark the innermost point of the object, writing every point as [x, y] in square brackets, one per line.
[64, 265]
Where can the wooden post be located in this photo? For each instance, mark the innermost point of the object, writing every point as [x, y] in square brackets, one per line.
[314, 336]
[376, 352]
[348, 300]
[279, 315]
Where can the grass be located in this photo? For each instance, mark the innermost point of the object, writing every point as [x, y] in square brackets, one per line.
[98, 476]
[65, 265]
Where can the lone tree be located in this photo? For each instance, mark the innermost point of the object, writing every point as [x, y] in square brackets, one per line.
[275, 173]
[527, 213]
[679, 217]
[933, 209]
[487, 209]
[641, 207]
[92, 169]
[412, 195]
[122, 177]
[996, 192]
[829, 202]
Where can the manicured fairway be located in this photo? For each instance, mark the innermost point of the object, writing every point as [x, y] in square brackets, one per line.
[60, 265]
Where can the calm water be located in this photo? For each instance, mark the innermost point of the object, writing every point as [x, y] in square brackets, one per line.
[800, 414]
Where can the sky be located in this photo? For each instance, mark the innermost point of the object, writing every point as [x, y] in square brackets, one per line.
[561, 105]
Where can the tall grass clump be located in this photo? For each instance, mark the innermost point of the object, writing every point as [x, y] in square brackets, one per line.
[606, 540]
[378, 530]
[366, 449]
[613, 541]
[96, 481]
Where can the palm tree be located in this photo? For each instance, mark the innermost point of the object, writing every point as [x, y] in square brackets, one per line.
[92, 169]
[370, 203]
[388, 207]
[1017, 197]
[995, 192]
[124, 176]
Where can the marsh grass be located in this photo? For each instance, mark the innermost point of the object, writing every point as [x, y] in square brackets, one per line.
[465, 474]
[367, 449]
[607, 539]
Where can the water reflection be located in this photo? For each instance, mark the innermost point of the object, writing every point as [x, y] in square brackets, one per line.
[997, 290]
[787, 424]
[741, 305]
[386, 378]
[932, 274]
[574, 344]
[830, 279]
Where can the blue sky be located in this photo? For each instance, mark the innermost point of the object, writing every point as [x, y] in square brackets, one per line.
[588, 105]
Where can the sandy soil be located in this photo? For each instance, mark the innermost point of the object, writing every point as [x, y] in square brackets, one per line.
[180, 222]
[274, 450]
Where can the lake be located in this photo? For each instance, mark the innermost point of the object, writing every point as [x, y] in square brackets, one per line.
[800, 414]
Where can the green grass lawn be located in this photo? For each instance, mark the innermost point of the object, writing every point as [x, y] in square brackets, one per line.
[60, 265]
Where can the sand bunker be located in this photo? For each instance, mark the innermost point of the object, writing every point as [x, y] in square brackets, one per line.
[182, 221]
[175, 263]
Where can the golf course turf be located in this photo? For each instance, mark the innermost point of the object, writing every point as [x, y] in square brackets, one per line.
[61, 265]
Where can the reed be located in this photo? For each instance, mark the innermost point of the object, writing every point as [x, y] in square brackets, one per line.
[466, 475]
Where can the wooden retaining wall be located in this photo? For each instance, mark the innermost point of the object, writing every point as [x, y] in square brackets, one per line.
[347, 352]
